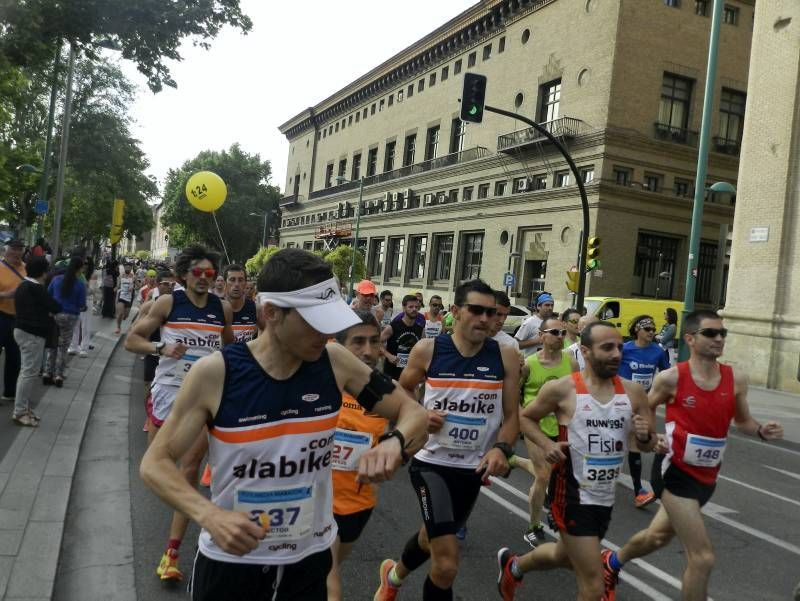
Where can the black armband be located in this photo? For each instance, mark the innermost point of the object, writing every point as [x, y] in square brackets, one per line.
[378, 386]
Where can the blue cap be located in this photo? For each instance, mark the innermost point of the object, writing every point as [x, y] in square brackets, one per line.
[544, 298]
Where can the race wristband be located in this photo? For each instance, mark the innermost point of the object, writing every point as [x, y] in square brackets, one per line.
[760, 435]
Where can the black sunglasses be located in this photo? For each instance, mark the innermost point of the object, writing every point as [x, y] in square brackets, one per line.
[480, 310]
[648, 329]
[712, 332]
[555, 332]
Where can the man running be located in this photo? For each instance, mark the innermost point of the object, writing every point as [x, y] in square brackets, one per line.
[702, 397]
[365, 299]
[400, 337]
[125, 292]
[219, 286]
[387, 307]
[641, 358]
[503, 310]
[471, 394]
[597, 414]
[551, 362]
[245, 323]
[433, 317]
[194, 323]
[357, 431]
[530, 341]
[272, 407]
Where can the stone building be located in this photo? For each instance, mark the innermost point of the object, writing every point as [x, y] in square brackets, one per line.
[620, 82]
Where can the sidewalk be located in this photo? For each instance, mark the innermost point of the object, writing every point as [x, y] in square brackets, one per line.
[36, 476]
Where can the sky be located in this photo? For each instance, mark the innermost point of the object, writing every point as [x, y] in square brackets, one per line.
[245, 86]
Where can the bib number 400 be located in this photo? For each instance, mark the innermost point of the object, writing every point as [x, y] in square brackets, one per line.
[602, 474]
[457, 433]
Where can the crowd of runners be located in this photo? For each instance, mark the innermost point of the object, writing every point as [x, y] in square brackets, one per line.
[297, 402]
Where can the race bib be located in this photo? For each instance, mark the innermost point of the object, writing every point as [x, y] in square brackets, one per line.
[601, 471]
[462, 432]
[184, 365]
[348, 447]
[703, 451]
[433, 329]
[646, 380]
[288, 513]
[402, 359]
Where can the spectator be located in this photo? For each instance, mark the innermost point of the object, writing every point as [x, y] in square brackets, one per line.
[667, 336]
[33, 323]
[110, 276]
[83, 334]
[70, 292]
[12, 274]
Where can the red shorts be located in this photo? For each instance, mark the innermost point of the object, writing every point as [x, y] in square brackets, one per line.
[149, 409]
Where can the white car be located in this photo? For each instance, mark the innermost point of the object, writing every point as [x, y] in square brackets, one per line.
[514, 320]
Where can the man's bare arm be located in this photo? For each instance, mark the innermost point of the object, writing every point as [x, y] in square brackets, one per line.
[494, 462]
[745, 422]
[664, 386]
[548, 401]
[138, 339]
[643, 433]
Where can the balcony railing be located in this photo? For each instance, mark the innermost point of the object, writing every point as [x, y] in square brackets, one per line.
[288, 201]
[726, 146]
[679, 135]
[563, 127]
[438, 163]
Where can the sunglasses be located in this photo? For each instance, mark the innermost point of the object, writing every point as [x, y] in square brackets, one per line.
[435, 305]
[573, 321]
[712, 332]
[197, 272]
[480, 310]
[555, 332]
[648, 329]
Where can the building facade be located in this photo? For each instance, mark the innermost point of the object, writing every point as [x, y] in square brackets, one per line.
[620, 82]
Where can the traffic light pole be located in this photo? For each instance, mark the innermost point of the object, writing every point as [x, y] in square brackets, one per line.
[584, 200]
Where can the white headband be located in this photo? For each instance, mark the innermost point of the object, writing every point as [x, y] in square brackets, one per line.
[318, 294]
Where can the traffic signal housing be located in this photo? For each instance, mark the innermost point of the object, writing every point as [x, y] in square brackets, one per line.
[117, 221]
[592, 253]
[473, 97]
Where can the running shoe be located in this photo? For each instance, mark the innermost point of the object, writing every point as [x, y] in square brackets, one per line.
[506, 582]
[461, 533]
[205, 479]
[534, 536]
[168, 566]
[386, 591]
[610, 576]
[643, 498]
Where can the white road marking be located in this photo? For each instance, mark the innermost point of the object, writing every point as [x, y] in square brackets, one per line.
[755, 532]
[784, 472]
[761, 490]
[625, 480]
[763, 444]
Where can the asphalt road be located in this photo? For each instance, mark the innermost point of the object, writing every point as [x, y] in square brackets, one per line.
[753, 520]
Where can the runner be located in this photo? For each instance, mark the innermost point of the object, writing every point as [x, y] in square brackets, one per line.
[365, 299]
[528, 334]
[471, 386]
[125, 292]
[400, 337]
[575, 348]
[193, 324]
[503, 311]
[702, 397]
[597, 414]
[272, 406]
[219, 287]
[433, 318]
[641, 358]
[551, 362]
[356, 432]
[387, 307]
[245, 326]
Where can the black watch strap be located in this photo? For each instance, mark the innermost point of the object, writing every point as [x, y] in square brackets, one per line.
[399, 436]
[505, 448]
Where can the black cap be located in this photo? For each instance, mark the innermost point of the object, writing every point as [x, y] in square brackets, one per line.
[16, 243]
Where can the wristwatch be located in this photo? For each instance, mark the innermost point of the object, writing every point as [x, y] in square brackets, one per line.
[399, 436]
[159, 348]
[646, 440]
[505, 448]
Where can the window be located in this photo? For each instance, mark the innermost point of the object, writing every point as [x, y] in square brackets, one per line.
[731, 115]
[372, 109]
[377, 248]
[654, 268]
[355, 172]
[471, 256]
[342, 169]
[453, 195]
[399, 96]
[652, 182]
[344, 123]
[471, 59]
[501, 45]
[673, 109]
[487, 52]
[672, 3]
[483, 191]
[350, 120]
[410, 90]
[336, 128]
[701, 8]
[467, 193]
[457, 67]
[706, 265]
[681, 187]
[550, 99]
[391, 100]
[365, 112]
[394, 259]
[308, 245]
[432, 143]
[445, 73]
[539, 182]
[372, 161]
[388, 159]
[329, 175]
[417, 246]
[587, 174]
[358, 116]
[380, 105]
[730, 15]
[500, 187]
[442, 256]
[410, 149]
[420, 85]
[432, 80]
[457, 130]
[561, 179]
[623, 176]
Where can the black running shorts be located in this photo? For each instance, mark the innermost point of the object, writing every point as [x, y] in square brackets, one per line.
[681, 484]
[582, 520]
[222, 581]
[446, 496]
[352, 525]
[150, 365]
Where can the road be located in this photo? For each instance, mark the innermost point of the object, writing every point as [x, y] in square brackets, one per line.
[753, 521]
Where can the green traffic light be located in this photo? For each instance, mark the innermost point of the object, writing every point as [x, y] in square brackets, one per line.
[473, 110]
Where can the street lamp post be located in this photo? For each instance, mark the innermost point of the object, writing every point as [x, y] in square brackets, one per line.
[62, 160]
[341, 180]
[264, 238]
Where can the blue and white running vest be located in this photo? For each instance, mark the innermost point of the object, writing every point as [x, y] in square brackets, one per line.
[245, 325]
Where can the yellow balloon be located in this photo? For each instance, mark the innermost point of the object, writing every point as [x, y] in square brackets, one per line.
[206, 191]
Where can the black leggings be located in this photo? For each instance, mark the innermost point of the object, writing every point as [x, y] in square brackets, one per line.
[12, 364]
[635, 467]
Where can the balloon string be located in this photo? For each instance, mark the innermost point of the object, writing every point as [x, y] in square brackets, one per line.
[221, 239]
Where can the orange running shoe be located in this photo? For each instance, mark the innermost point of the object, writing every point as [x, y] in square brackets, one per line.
[610, 576]
[168, 566]
[386, 591]
[643, 498]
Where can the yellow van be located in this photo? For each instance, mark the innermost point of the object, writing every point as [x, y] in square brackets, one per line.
[620, 311]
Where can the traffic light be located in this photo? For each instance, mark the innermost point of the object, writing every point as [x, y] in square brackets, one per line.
[117, 221]
[473, 97]
[572, 281]
[592, 253]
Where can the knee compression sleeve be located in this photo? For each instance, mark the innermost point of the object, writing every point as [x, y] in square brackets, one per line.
[431, 592]
[413, 555]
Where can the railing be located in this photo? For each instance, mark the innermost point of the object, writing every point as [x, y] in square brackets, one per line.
[430, 165]
[726, 145]
[563, 127]
[288, 201]
[679, 135]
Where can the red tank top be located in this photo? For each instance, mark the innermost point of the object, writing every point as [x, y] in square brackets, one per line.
[697, 423]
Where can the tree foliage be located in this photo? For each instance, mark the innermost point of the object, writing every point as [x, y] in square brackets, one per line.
[249, 191]
[256, 262]
[341, 259]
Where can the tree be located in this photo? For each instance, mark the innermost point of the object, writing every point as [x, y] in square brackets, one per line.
[256, 262]
[341, 259]
[249, 191]
[146, 31]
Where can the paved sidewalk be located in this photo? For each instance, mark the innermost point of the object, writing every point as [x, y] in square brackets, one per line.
[36, 476]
